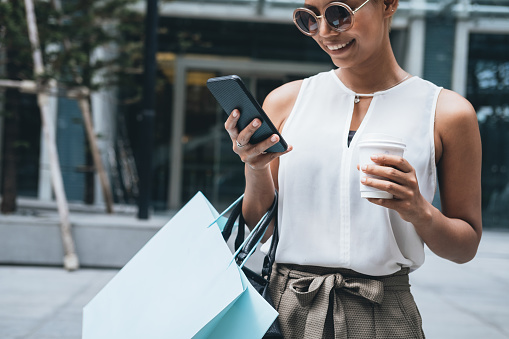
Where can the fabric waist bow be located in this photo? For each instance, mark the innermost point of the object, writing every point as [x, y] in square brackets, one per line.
[314, 293]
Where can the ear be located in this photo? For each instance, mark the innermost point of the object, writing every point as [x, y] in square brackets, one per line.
[390, 7]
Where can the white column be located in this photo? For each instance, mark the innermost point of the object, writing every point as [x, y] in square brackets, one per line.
[460, 60]
[416, 40]
[1, 135]
[2, 98]
[44, 190]
[178, 121]
[103, 104]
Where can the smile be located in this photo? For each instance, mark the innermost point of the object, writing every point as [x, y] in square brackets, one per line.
[336, 47]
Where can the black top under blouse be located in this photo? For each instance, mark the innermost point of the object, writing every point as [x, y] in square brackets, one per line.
[350, 137]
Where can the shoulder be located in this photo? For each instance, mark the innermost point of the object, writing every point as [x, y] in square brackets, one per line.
[456, 120]
[279, 103]
[451, 105]
[453, 112]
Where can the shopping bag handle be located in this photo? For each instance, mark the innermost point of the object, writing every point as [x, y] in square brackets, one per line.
[256, 234]
[236, 204]
[249, 245]
[245, 248]
[236, 213]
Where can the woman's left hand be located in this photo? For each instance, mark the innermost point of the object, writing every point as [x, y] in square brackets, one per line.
[401, 183]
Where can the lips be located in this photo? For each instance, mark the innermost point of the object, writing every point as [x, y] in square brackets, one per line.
[336, 47]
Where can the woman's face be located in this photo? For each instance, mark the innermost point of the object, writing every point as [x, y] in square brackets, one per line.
[361, 43]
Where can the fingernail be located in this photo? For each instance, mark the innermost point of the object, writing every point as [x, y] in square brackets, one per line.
[235, 114]
[363, 180]
[364, 167]
[374, 157]
[274, 138]
[256, 123]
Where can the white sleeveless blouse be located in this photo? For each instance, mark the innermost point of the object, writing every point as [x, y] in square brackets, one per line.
[323, 220]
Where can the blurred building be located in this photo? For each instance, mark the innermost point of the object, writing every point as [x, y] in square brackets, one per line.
[462, 45]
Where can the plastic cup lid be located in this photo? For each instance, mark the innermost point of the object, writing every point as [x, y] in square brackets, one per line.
[381, 138]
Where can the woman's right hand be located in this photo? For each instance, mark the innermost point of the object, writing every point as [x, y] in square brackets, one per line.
[252, 155]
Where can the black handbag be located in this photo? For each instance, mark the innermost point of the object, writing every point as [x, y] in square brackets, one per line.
[259, 282]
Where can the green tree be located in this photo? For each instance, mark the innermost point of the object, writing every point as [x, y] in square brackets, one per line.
[70, 33]
[16, 48]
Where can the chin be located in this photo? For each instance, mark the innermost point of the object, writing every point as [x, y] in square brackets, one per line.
[341, 63]
[344, 60]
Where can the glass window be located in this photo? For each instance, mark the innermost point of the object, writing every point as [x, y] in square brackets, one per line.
[210, 165]
[27, 138]
[488, 91]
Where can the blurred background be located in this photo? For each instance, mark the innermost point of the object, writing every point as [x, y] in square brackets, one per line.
[157, 134]
[461, 45]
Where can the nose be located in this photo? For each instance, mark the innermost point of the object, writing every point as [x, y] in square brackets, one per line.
[324, 29]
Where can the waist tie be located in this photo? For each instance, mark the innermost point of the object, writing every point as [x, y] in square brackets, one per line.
[313, 291]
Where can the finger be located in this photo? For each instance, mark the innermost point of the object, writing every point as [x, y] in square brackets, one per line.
[388, 203]
[278, 154]
[245, 135]
[264, 145]
[262, 159]
[231, 124]
[393, 188]
[289, 149]
[389, 173]
[392, 160]
[274, 155]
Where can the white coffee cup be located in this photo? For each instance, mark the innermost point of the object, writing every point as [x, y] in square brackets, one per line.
[372, 144]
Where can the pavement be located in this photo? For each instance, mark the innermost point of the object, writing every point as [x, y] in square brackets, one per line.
[468, 301]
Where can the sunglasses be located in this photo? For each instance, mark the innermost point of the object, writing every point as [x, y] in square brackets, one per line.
[338, 16]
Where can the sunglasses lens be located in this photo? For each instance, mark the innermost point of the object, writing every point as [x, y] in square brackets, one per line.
[306, 22]
[338, 17]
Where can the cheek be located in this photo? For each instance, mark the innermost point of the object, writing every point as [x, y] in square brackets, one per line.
[370, 37]
[371, 21]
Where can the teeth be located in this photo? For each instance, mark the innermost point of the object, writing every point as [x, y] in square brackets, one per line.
[336, 47]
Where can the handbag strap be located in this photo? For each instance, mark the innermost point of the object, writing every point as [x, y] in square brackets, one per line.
[249, 245]
[270, 258]
[236, 213]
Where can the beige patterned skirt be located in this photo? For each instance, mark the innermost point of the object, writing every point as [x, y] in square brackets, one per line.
[317, 302]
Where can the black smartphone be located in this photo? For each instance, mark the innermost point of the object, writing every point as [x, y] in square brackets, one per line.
[231, 93]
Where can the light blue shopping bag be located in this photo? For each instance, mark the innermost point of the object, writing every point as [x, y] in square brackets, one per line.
[181, 284]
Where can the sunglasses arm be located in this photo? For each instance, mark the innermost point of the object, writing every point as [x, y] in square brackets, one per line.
[355, 10]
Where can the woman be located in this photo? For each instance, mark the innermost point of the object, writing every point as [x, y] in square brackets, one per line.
[343, 261]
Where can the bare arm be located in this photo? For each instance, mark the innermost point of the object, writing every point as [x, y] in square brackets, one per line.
[459, 174]
[261, 168]
[455, 232]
